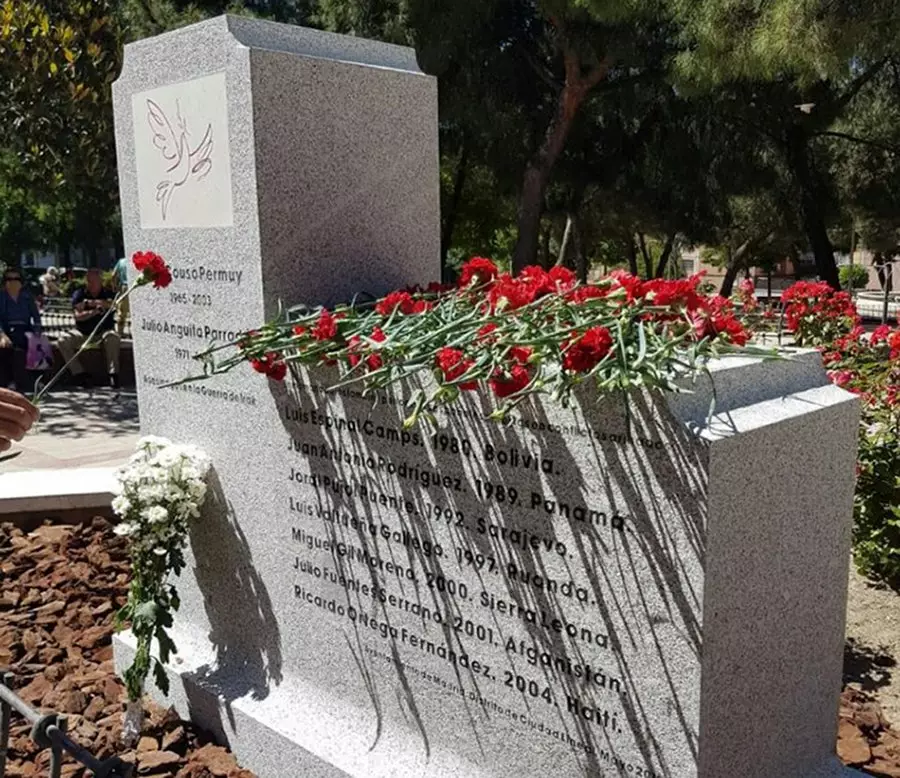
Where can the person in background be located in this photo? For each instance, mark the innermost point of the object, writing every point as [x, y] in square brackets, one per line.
[50, 283]
[18, 316]
[123, 313]
[91, 306]
[17, 416]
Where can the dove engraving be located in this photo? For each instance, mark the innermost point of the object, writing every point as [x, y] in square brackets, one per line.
[185, 162]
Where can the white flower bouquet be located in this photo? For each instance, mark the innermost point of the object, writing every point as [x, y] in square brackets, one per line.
[160, 490]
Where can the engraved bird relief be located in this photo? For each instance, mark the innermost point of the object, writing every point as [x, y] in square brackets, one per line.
[186, 162]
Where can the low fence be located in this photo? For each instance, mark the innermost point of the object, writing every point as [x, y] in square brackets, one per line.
[48, 730]
[57, 318]
[874, 305]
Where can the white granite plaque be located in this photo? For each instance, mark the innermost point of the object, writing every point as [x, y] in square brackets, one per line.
[182, 154]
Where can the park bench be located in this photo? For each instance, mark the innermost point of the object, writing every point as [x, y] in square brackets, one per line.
[57, 320]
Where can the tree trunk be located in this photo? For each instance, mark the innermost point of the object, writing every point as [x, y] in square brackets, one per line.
[452, 210]
[810, 209]
[735, 263]
[581, 267]
[664, 257]
[632, 256]
[540, 166]
[648, 260]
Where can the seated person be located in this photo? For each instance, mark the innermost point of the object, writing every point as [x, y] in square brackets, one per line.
[93, 309]
[18, 316]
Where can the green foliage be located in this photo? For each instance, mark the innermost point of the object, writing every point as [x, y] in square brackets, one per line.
[810, 40]
[876, 531]
[760, 130]
[57, 63]
[143, 18]
[869, 366]
[854, 277]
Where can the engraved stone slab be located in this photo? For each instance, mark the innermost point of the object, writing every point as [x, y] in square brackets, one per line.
[585, 592]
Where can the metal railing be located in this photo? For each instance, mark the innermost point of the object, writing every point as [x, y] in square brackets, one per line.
[48, 730]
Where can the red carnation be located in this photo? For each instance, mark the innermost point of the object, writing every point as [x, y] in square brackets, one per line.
[583, 293]
[485, 332]
[153, 269]
[631, 284]
[271, 365]
[453, 364]
[326, 326]
[841, 377]
[300, 331]
[402, 300]
[717, 318]
[508, 293]
[478, 270]
[374, 360]
[278, 370]
[582, 353]
[893, 396]
[519, 354]
[511, 381]
[353, 348]
[728, 325]
[894, 344]
[537, 279]
[562, 279]
[680, 293]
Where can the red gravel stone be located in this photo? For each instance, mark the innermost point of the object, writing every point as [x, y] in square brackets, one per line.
[62, 586]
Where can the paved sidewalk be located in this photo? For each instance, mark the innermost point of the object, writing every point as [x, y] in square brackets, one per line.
[78, 429]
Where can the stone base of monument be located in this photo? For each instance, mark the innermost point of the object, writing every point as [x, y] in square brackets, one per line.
[275, 736]
[272, 736]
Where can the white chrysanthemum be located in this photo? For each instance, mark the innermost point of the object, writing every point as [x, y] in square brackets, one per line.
[155, 514]
[121, 505]
[151, 492]
[197, 491]
[162, 486]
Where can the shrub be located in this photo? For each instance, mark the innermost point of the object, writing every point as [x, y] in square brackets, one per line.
[876, 532]
[854, 277]
[868, 365]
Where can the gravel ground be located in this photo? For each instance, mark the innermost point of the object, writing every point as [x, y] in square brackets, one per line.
[61, 588]
[873, 643]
